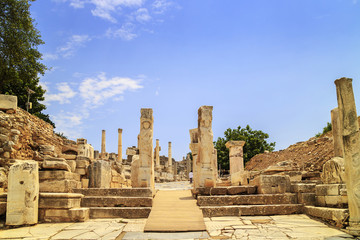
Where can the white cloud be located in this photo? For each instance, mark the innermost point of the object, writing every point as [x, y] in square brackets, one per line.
[72, 45]
[65, 93]
[160, 6]
[50, 56]
[69, 123]
[95, 91]
[142, 15]
[126, 32]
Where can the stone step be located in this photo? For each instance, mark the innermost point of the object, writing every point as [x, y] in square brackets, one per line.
[121, 192]
[115, 201]
[258, 199]
[251, 210]
[223, 190]
[119, 212]
[336, 216]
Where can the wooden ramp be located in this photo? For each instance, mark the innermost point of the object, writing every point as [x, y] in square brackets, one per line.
[175, 211]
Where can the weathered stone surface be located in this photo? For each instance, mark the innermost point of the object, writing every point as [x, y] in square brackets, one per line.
[236, 156]
[145, 175]
[135, 166]
[251, 210]
[240, 178]
[82, 163]
[8, 102]
[81, 171]
[303, 187]
[334, 214]
[270, 184]
[58, 175]
[257, 199]
[306, 198]
[84, 183]
[194, 151]
[329, 189]
[60, 200]
[236, 190]
[208, 172]
[47, 149]
[59, 186]
[68, 156]
[337, 133]
[2, 208]
[116, 201]
[23, 194]
[64, 215]
[117, 212]
[351, 142]
[122, 192]
[100, 174]
[56, 163]
[333, 171]
[84, 149]
[72, 164]
[218, 191]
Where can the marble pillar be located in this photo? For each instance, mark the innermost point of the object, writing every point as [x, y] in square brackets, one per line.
[236, 156]
[351, 143]
[336, 131]
[206, 148]
[119, 157]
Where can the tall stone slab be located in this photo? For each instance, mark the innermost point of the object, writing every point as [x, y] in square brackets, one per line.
[23, 194]
[146, 153]
[188, 165]
[194, 145]
[351, 142]
[206, 148]
[336, 131]
[236, 156]
[119, 157]
[100, 174]
[157, 156]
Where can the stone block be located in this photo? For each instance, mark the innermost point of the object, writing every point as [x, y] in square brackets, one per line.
[60, 200]
[218, 191]
[23, 194]
[306, 198]
[2, 208]
[336, 201]
[64, 215]
[320, 201]
[58, 175]
[84, 183]
[270, 184]
[240, 178]
[333, 171]
[81, 171]
[72, 164]
[59, 186]
[334, 214]
[80, 158]
[100, 174]
[236, 190]
[68, 156]
[303, 187]
[8, 102]
[329, 189]
[82, 163]
[58, 165]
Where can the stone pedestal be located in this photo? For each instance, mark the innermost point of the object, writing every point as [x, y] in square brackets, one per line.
[23, 194]
[145, 176]
[336, 132]
[207, 173]
[119, 158]
[351, 142]
[236, 156]
[100, 174]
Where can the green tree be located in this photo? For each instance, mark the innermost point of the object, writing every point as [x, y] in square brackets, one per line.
[20, 64]
[326, 129]
[255, 143]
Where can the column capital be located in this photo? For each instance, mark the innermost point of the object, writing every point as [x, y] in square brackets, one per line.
[120, 130]
[230, 144]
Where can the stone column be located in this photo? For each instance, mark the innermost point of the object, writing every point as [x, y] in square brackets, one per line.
[146, 153]
[23, 194]
[119, 158]
[336, 131]
[170, 170]
[351, 142]
[188, 165]
[103, 144]
[236, 156]
[194, 151]
[206, 148]
[157, 155]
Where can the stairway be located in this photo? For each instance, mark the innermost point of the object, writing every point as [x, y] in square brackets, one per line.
[243, 201]
[117, 202]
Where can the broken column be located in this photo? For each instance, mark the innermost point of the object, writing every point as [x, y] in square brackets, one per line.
[145, 176]
[351, 143]
[170, 169]
[336, 131]
[194, 151]
[23, 194]
[157, 155]
[103, 144]
[236, 156]
[206, 158]
[119, 157]
[100, 174]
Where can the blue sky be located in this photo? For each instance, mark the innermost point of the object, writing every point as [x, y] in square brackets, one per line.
[270, 64]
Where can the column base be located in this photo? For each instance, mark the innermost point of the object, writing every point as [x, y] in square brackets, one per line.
[354, 229]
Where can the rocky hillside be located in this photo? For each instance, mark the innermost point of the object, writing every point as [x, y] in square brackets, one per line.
[309, 155]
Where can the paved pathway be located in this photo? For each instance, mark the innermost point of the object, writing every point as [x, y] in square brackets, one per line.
[175, 211]
[259, 227]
